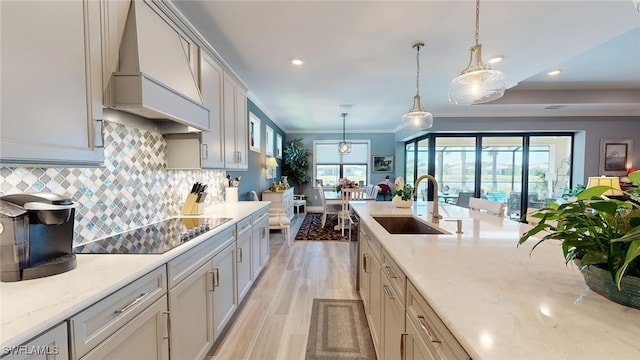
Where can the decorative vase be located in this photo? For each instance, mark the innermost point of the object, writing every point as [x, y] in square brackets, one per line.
[599, 280]
[398, 202]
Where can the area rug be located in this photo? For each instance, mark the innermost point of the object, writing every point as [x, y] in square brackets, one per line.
[339, 330]
[311, 228]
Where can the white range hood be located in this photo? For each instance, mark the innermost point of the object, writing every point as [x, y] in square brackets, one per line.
[154, 79]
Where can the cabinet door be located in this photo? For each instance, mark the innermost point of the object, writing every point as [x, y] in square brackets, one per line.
[393, 321]
[259, 256]
[191, 309]
[243, 259]
[224, 299]
[235, 124]
[211, 76]
[51, 345]
[51, 82]
[144, 337]
[375, 302]
[415, 348]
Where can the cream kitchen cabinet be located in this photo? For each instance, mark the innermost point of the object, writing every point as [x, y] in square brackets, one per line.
[259, 243]
[235, 124]
[427, 329]
[201, 295]
[243, 257]
[282, 200]
[371, 285]
[51, 83]
[393, 310]
[211, 86]
[52, 345]
[132, 318]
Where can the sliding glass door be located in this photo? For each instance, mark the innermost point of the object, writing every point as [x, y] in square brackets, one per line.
[520, 170]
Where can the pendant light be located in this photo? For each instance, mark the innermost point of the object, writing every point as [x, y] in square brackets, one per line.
[344, 147]
[417, 117]
[477, 83]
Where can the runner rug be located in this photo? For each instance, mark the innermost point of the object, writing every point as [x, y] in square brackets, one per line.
[311, 228]
[339, 330]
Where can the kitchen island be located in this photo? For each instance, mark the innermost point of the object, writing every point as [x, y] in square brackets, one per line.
[30, 307]
[497, 300]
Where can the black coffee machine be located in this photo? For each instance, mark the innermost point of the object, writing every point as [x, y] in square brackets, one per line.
[36, 235]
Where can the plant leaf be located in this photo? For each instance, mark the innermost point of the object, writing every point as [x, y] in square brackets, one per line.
[632, 253]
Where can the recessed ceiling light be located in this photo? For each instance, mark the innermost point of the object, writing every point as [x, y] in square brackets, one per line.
[496, 59]
[554, 72]
[297, 61]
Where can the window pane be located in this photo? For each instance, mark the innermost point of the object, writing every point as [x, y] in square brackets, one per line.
[409, 159]
[328, 174]
[501, 178]
[549, 168]
[357, 173]
[455, 166]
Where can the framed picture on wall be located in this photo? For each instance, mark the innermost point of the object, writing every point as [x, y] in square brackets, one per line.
[254, 132]
[279, 146]
[615, 156]
[269, 139]
[382, 163]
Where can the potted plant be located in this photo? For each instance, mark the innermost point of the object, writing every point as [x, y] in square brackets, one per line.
[402, 196]
[602, 236]
[296, 163]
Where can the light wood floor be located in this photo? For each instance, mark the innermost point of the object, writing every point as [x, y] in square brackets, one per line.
[273, 322]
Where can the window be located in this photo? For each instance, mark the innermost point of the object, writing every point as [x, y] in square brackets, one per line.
[329, 166]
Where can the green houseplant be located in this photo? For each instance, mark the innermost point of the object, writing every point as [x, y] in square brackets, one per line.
[595, 231]
[402, 196]
[296, 163]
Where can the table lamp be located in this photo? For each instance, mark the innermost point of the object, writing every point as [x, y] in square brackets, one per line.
[611, 181]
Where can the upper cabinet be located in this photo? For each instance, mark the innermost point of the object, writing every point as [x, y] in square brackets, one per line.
[211, 75]
[51, 83]
[235, 124]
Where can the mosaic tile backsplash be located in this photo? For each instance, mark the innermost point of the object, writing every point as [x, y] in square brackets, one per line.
[134, 188]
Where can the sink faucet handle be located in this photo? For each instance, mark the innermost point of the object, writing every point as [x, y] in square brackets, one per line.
[459, 225]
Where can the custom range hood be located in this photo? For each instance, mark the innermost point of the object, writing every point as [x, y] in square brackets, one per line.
[154, 79]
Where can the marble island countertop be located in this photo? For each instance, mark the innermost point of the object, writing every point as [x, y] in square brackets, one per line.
[499, 301]
[28, 308]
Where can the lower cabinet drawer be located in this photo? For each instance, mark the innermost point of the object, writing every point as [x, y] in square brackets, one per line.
[430, 328]
[99, 321]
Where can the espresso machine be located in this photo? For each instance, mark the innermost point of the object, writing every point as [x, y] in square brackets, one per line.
[36, 235]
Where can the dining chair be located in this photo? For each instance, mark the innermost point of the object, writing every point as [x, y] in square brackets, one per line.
[348, 194]
[483, 205]
[327, 208]
[299, 200]
[463, 198]
[277, 220]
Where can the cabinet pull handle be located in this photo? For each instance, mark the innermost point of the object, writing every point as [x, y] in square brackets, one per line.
[216, 278]
[131, 304]
[423, 325]
[387, 292]
[168, 314]
[205, 151]
[364, 263]
[262, 232]
[389, 272]
[239, 255]
[402, 345]
[98, 133]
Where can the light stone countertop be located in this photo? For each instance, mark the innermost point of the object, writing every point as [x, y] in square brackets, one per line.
[496, 299]
[30, 307]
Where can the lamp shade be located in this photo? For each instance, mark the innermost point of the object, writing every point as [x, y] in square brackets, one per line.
[610, 181]
[271, 162]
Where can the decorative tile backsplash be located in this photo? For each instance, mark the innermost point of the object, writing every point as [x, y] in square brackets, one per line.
[134, 188]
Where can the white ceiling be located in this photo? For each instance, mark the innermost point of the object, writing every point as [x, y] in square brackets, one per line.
[360, 53]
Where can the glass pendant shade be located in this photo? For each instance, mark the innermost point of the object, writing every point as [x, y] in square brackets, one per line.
[478, 83]
[417, 117]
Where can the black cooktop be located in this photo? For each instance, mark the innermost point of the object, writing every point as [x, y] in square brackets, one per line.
[152, 239]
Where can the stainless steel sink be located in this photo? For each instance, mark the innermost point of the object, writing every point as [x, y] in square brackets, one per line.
[406, 225]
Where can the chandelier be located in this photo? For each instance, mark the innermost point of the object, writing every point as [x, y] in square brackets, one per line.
[417, 117]
[477, 83]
